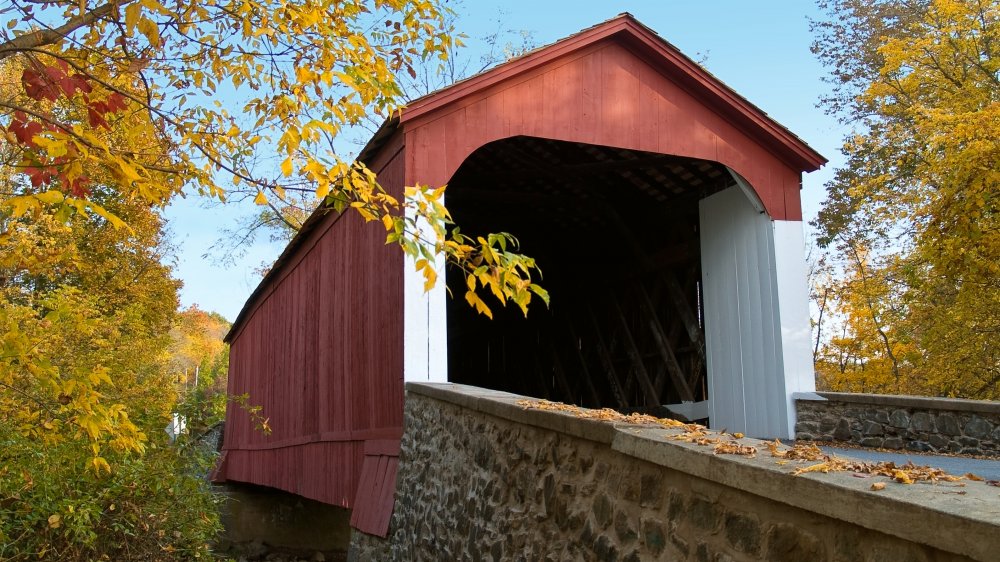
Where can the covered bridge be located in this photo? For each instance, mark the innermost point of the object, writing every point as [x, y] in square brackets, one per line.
[609, 146]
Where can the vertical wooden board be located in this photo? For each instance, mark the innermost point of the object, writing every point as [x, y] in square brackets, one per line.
[791, 183]
[476, 126]
[387, 500]
[719, 271]
[562, 118]
[648, 111]
[496, 122]
[324, 297]
[532, 117]
[753, 319]
[620, 72]
[771, 391]
[454, 125]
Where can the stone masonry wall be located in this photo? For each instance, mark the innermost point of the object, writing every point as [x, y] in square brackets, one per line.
[940, 425]
[484, 479]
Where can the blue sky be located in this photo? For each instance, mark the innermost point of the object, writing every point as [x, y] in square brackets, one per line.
[760, 49]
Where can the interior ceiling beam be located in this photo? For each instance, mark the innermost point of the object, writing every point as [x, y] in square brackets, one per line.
[538, 166]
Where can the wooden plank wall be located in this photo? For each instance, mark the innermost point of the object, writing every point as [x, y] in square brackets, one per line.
[322, 354]
[602, 94]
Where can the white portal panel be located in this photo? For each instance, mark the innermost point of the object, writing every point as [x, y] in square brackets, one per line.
[756, 316]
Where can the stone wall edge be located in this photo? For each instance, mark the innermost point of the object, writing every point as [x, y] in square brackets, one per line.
[922, 402]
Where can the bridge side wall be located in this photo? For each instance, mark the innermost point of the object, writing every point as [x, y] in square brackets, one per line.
[482, 478]
[913, 423]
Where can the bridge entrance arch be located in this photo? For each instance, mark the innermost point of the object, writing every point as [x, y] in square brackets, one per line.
[615, 232]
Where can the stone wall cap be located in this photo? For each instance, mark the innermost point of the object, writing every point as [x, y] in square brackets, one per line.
[942, 515]
[905, 401]
[504, 405]
[808, 396]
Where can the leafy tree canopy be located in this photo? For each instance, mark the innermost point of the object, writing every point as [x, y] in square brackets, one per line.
[293, 76]
[919, 81]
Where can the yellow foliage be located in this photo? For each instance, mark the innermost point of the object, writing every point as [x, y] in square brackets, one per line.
[916, 211]
[296, 74]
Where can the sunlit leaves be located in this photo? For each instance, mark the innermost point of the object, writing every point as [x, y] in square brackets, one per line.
[294, 75]
[921, 189]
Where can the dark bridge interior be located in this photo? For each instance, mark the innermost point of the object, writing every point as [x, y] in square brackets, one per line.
[615, 233]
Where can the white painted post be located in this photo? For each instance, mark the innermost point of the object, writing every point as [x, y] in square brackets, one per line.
[425, 327]
[796, 329]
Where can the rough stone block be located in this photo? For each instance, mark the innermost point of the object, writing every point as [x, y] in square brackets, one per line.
[675, 507]
[938, 442]
[650, 490]
[919, 446]
[786, 543]
[680, 543]
[871, 442]
[827, 426]
[893, 443]
[633, 556]
[625, 528]
[605, 549]
[603, 510]
[843, 430]
[654, 538]
[743, 532]
[922, 421]
[704, 513]
[978, 428]
[701, 554]
[806, 427]
[873, 428]
[968, 442]
[899, 418]
[948, 424]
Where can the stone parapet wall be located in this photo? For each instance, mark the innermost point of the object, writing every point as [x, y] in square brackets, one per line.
[940, 425]
[482, 478]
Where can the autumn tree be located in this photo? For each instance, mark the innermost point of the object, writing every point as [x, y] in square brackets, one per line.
[86, 389]
[918, 82]
[294, 75]
[280, 218]
[197, 346]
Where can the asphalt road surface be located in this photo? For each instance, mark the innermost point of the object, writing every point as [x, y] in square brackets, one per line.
[988, 469]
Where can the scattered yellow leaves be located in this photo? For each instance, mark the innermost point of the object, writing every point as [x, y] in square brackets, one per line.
[690, 432]
[729, 444]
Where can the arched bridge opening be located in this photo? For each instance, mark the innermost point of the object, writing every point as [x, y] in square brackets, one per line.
[616, 235]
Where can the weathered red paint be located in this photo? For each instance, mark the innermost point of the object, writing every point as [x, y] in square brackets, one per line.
[318, 349]
[320, 345]
[374, 499]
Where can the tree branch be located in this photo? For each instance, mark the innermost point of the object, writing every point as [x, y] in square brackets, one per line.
[51, 36]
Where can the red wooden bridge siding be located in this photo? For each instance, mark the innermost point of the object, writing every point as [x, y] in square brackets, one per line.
[319, 347]
[618, 85]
